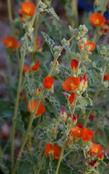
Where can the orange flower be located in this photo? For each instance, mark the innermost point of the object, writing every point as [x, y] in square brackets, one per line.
[37, 107]
[28, 8]
[106, 77]
[97, 19]
[87, 134]
[75, 132]
[96, 149]
[74, 64]
[26, 68]
[90, 46]
[87, 44]
[81, 132]
[71, 84]
[52, 149]
[36, 66]
[48, 82]
[72, 98]
[11, 42]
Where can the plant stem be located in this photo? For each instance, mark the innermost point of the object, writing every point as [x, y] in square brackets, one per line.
[37, 23]
[60, 159]
[36, 16]
[40, 166]
[104, 5]
[15, 111]
[31, 119]
[9, 4]
[62, 151]
[23, 145]
[74, 12]
[94, 98]
[26, 136]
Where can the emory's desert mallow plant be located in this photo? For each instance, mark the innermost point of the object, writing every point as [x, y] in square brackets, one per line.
[58, 83]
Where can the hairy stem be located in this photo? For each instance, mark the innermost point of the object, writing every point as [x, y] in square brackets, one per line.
[60, 159]
[9, 4]
[105, 5]
[15, 112]
[23, 145]
[74, 12]
[25, 139]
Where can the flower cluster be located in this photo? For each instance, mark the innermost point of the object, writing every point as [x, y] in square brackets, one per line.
[56, 102]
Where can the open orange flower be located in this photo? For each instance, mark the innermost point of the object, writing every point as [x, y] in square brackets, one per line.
[90, 45]
[96, 150]
[106, 77]
[71, 84]
[11, 42]
[37, 107]
[53, 150]
[28, 8]
[81, 132]
[97, 19]
[74, 64]
[87, 134]
[48, 82]
[75, 132]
